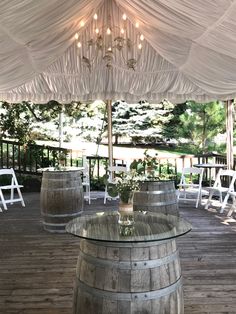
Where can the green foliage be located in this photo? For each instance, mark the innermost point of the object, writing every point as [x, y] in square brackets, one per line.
[26, 121]
[202, 122]
[167, 171]
[112, 190]
[199, 123]
[97, 184]
[30, 183]
[171, 129]
[149, 165]
[17, 119]
[90, 122]
[151, 168]
[142, 122]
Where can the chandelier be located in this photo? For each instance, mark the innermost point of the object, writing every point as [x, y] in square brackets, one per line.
[110, 44]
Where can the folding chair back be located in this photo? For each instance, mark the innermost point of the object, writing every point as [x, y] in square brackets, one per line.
[11, 186]
[86, 180]
[224, 176]
[228, 176]
[113, 170]
[188, 188]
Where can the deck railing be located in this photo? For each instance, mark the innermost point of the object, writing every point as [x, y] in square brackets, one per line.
[26, 159]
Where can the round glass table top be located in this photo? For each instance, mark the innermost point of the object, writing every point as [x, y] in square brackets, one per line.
[137, 226]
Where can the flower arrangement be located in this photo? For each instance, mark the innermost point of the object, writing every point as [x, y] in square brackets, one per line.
[60, 160]
[126, 186]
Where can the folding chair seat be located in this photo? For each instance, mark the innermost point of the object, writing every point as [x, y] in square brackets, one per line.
[113, 171]
[12, 186]
[191, 185]
[219, 190]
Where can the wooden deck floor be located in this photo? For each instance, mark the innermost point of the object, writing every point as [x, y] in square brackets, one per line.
[37, 268]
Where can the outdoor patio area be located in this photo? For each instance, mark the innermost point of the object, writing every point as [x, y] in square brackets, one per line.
[37, 268]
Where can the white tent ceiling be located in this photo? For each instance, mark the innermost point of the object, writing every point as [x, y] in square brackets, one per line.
[189, 53]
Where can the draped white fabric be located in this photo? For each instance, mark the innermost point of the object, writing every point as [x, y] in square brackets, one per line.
[189, 51]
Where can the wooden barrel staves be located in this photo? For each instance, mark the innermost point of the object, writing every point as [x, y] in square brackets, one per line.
[157, 196]
[123, 278]
[61, 198]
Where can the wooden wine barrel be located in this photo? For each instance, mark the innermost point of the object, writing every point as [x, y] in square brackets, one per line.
[61, 199]
[129, 278]
[157, 196]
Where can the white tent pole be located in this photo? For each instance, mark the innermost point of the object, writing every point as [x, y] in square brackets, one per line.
[60, 129]
[229, 134]
[109, 127]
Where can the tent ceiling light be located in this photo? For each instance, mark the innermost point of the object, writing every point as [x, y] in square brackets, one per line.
[110, 43]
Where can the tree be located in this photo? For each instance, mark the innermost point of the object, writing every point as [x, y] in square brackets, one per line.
[90, 121]
[142, 121]
[27, 121]
[21, 120]
[201, 122]
[172, 128]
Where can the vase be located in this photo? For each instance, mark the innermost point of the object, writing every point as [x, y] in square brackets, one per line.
[126, 201]
[125, 211]
[125, 207]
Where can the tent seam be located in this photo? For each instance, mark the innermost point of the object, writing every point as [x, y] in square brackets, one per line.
[205, 33]
[23, 46]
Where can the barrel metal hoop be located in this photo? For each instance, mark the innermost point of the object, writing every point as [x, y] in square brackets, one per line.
[55, 230]
[128, 244]
[133, 265]
[172, 202]
[56, 225]
[157, 192]
[62, 189]
[60, 215]
[134, 296]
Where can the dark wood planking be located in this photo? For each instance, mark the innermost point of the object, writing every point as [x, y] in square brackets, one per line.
[37, 268]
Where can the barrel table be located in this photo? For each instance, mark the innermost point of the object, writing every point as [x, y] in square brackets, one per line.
[128, 268]
[61, 197]
[158, 196]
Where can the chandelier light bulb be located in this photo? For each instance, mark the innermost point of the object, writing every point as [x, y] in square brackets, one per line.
[108, 31]
[124, 17]
[141, 37]
[79, 44]
[109, 49]
[140, 46]
[122, 31]
[76, 36]
[95, 16]
[96, 30]
[137, 24]
[82, 23]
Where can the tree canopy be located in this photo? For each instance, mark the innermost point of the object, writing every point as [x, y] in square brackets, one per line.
[199, 123]
[142, 122]
[195, 123]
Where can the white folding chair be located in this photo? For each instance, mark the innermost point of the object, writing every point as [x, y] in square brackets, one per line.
[112, 171]
[232, 208]
[218, 189]
[86, 180]
[11, 185]
[191, 185]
